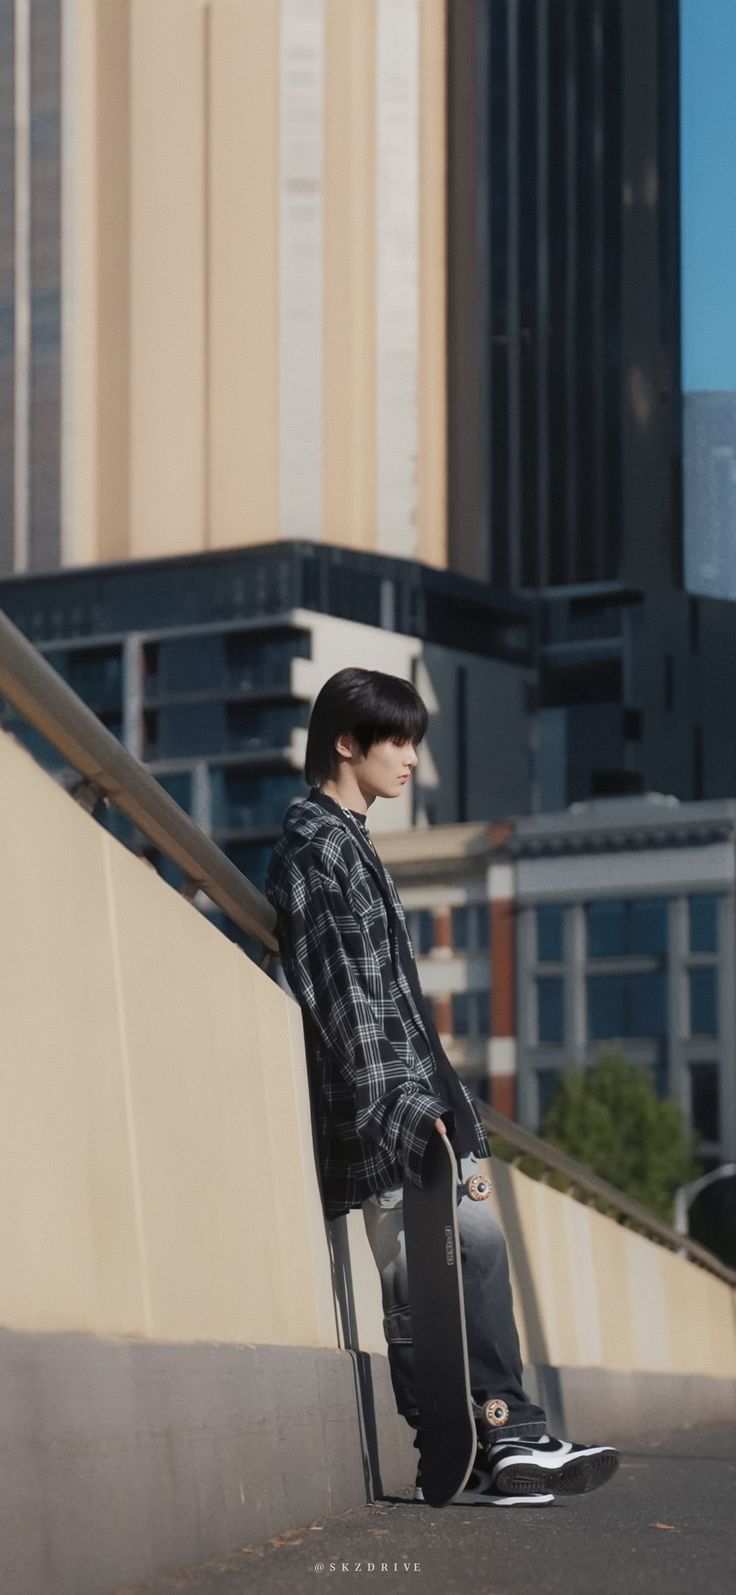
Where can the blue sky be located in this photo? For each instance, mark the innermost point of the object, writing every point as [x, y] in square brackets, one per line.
[708, 110]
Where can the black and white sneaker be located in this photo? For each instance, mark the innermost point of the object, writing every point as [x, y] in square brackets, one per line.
[516, 1466]
[481, 1491]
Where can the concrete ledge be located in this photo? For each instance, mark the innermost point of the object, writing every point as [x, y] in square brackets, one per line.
[123, 1460]
[597, 1403]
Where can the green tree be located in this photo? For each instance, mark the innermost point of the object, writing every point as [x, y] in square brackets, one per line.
[609, 1118]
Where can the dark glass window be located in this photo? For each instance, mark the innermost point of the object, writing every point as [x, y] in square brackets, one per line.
[619, 928]
[250, 729]
[420, 922]
[606, 1006]
[471, 1013]
[188, 664]
[606, 923]
[187, 729]
[660, 1075]
[95, 674]
[470, 927]
[627, 1005]
[548, 1084]
[222, 661]
[558, 69]
[498, 247]
[703, 912]
[243, 801]
[460, 1013]
[263, 661]
[550, 1008]
[179, 787]
[550, 932]
[648, 925]
[252, 859]
[704, 1100]
[704, 1001]
[525, 461]
[647, 1005]
[483, 1011]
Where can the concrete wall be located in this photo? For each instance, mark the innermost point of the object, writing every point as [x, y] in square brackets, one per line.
[189, 1358]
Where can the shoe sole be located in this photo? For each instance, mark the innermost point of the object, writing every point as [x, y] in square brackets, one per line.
[474, 1498]
[577, 1476]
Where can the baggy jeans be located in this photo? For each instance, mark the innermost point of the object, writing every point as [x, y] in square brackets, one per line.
[494, 1354]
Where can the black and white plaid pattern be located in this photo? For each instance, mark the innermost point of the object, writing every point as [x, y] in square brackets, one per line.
[372, 1077]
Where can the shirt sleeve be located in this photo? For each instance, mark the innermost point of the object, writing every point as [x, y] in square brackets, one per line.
[336, 977]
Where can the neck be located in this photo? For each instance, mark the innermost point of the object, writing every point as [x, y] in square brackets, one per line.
[347, 793]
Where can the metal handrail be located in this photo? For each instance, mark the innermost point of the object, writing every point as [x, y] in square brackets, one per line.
[47, 702]
[583, 1179]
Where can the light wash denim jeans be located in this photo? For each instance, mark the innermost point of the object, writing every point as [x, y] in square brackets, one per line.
[494, 1354]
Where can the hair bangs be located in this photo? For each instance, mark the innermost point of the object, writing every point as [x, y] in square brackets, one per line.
[401, 720]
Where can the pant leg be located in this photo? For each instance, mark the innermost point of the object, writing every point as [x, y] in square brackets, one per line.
[494, 1354]
[384, 1223]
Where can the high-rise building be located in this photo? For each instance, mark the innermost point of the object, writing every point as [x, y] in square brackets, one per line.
[236, 331]
[31, 376]
[708, 72]
[338, 270]
[563, 273]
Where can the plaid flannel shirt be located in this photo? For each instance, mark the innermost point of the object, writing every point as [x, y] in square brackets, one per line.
[374, 1090]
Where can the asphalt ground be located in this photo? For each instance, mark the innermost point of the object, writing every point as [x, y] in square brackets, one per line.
[664, 1525]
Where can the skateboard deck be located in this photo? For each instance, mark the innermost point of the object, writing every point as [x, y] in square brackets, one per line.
[440, 1357]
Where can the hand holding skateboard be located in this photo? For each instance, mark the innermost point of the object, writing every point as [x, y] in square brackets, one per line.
[477, 1187]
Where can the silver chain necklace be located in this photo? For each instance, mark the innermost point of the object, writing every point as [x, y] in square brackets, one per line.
[362, 828]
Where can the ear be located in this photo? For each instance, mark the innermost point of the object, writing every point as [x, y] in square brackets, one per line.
[345, 745]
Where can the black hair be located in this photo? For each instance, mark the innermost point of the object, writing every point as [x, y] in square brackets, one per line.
[369, 704]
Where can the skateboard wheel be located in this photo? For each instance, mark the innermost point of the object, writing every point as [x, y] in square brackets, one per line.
[496, 1412]
[478, 1187]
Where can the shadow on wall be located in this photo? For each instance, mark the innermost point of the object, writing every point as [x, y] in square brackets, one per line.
[548, 1390]
[342, 1285]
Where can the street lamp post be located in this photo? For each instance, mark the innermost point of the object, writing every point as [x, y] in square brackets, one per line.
[686, 1194]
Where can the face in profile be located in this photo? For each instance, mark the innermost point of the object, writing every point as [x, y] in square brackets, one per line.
[384, 770]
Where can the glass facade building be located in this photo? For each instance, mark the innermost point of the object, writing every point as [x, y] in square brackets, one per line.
[708, 236]
[194, 664]
[633, 949]
[632, 1003]
[563, 291]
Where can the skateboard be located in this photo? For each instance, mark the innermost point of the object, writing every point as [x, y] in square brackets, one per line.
[440, 1359]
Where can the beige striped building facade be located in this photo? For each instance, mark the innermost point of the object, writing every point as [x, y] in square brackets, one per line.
[252, 277]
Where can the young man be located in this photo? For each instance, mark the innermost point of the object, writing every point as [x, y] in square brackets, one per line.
[382, 1085]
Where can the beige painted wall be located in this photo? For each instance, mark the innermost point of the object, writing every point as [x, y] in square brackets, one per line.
[155, 1144]
[239, 327]
[156, 1166]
